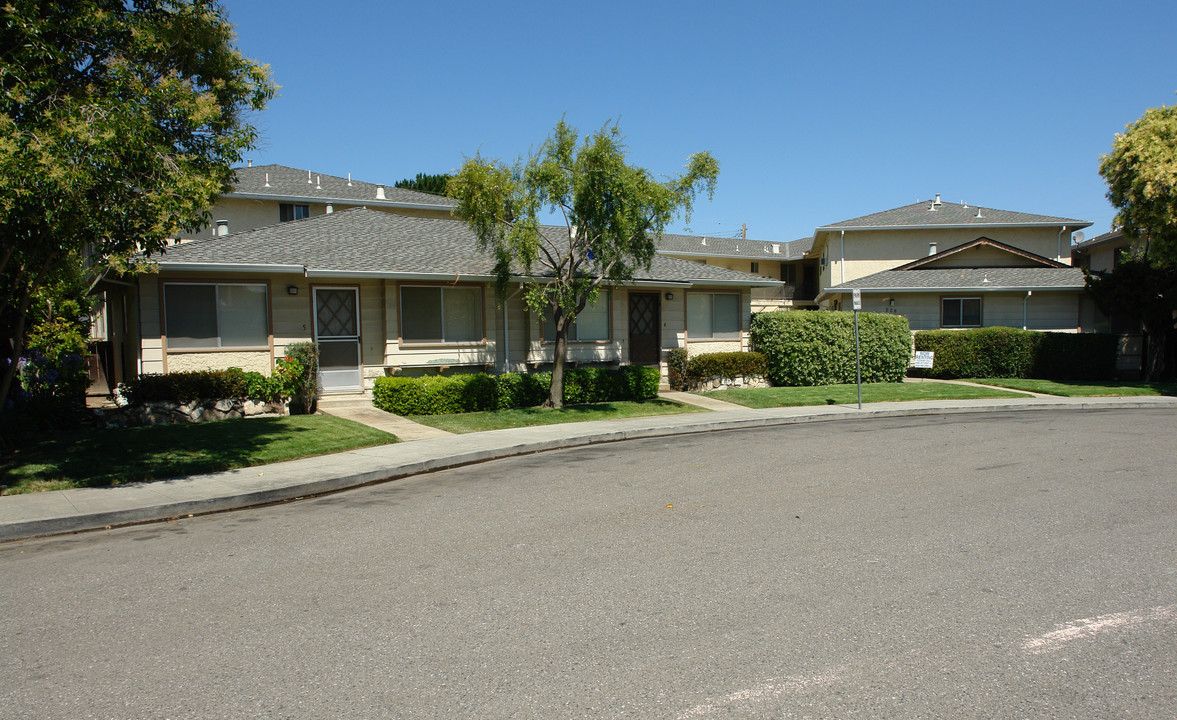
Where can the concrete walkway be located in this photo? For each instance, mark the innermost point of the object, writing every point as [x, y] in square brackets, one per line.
[26, 516]
[358, 408]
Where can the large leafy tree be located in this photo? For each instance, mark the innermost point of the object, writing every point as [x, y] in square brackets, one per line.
[120, 121]
[613, 213]
[1141, 173]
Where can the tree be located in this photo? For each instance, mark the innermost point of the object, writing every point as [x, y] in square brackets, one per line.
[1144, 291]
[1141, 173]
[119, 125]
[426, 183]
[613, 213]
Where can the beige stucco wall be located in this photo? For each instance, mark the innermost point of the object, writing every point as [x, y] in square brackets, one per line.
[871, 251]
[248, 360]
[1054, 311]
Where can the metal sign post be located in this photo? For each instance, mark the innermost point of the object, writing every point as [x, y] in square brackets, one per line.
[857, 353]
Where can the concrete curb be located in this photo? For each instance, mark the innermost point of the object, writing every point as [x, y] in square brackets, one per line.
[59, 512]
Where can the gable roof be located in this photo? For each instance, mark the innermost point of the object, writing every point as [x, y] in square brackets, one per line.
[368, 243]
[948, 215]
[979, 280]
[701, 246]
[980, 242]
[273, 182]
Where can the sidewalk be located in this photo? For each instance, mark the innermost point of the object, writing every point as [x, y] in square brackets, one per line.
[26, 516]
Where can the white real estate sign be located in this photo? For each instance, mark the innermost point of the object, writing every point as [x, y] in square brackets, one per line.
[857, 299]
[922, 359]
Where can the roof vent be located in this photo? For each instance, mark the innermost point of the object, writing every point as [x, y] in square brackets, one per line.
[318, 183]
[704, 241]
[267, 180]
[349, 179]
[222, 227]
[776, 248]
[931, 205]
[986, 280]
[309, 177]
[330, 208]
[249, 162]
[937, 202]
[963, 204]
[380, 191]
[978, 215]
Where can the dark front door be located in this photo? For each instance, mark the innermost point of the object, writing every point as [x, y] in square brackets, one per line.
[645, 346]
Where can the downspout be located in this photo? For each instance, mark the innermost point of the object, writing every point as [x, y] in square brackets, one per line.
[842, 261]
[1060, 243]
[1024, 300]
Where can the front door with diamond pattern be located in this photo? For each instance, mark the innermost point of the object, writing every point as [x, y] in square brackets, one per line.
[337, 331]
[645, 346]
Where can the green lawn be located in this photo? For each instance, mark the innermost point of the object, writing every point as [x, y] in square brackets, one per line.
[525, 417]
[111, 457]
[1083, 389]
[848, 394]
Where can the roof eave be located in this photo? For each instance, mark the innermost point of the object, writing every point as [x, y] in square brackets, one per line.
[173, 265]
[1078, 225]
[342, 201]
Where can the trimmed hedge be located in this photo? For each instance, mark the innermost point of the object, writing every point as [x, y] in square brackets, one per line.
[817, 348]
[438, 395]
[676, 368]
[182, 387]
[726, 365]
[1013, 353]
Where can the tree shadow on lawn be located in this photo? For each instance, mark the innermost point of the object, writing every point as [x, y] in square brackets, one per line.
[102, 458]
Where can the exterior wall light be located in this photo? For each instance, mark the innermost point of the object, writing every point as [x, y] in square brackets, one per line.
[669, 296]
[291, 289]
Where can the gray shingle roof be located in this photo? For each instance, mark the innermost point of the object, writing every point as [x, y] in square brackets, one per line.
[701, 246]
[980, 279]
[949, 214]
[288, 182]
[368, 241]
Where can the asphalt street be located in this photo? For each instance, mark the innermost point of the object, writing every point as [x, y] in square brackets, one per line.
[1014, 565]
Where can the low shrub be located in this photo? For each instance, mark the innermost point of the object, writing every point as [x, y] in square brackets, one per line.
[303, 381]
[437, 394]
[182, 387]
[676, 368]
[1002, 352]
[728, 365]
[817, 348]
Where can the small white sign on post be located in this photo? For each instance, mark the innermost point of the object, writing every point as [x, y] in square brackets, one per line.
[922, 359]
[857, 299]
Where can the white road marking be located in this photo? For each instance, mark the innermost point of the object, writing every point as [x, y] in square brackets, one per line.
[765, 691]
[1088, 627]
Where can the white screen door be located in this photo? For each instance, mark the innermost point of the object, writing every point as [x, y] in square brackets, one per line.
[337, 331]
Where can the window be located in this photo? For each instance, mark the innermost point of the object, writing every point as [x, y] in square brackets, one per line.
[208, 316]
[755, 266]
[789, 273]
[713, 315]
[289, 211]
[591, 325]
[960, 312]
[441, 314]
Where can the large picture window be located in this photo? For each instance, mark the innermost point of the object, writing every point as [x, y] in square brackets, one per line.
[713, 316]
[207, 316]
[960, 312]
[439, 315]
[591, 325]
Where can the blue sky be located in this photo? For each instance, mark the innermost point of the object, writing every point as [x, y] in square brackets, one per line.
[817, 112]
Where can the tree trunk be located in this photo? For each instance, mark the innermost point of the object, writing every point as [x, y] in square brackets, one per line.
[1154, 361]
[556, 393]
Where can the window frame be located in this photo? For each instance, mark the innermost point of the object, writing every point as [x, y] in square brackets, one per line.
[605, 296]
[960, 299]
[293, 209]
[268, 343]
[712, 337]
[442, 288]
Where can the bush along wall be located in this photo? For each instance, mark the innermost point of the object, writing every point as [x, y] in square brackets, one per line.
[817, 348]
[437, 394]
[1001, 352]
[710, 371]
